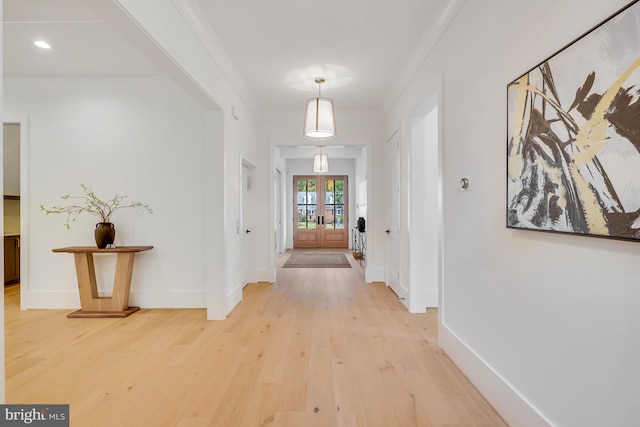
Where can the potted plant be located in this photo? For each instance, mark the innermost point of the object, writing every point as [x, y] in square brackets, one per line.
[105, 231]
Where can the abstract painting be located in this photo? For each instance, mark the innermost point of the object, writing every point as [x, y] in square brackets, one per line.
[573, 148]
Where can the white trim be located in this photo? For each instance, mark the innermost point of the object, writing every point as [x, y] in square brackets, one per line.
[432, 298]
[374, 274]
[511, 405]
[234, 297]
[265, 274]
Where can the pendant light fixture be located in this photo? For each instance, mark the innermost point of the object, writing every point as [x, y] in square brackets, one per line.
[320, 163]
[319, 118]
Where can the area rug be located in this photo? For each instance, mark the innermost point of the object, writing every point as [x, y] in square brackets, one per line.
[317, 260]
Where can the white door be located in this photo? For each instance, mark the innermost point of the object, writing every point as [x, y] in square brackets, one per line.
[245, 226]
[393, 231]
[279, 219]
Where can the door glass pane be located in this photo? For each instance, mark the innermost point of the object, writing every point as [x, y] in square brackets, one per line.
[339, 191]
[328, 192]
[302, 192]
[306, 200]
[311, 191]
[302, 217]
[312, 218]
[339, 221]
[329, 216]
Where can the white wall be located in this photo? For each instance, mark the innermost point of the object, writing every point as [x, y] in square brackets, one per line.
[182, 34]
[543, 324]
[361, 185]
[142, 137]
[280, 164]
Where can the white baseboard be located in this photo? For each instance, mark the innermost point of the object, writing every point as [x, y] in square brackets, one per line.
[373, 274]
[432, 298]
[54, 300]
[506, 400]
[234, 297]
[147, 299]
[266, 275]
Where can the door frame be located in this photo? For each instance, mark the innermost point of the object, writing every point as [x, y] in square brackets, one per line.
[321, 230]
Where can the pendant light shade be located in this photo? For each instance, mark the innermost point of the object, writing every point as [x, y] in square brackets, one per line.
[320, 163]
[319, 118]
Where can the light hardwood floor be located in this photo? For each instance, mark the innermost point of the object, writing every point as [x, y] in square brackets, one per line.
[320, 347]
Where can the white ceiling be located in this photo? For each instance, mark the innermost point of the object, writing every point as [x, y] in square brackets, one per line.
[359, 46]
[278, 47]
[82, 43]
[366, 49]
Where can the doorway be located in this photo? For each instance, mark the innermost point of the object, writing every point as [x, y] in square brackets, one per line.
[320, 212]
[11, 200]
[425, 207]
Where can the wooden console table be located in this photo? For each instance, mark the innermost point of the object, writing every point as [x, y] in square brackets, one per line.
[91, 304]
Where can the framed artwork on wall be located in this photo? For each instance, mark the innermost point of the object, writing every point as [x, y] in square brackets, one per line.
[573, 136]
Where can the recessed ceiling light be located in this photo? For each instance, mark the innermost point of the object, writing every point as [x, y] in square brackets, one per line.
[42, 44]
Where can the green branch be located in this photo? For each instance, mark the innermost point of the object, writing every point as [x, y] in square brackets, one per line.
[93, 205]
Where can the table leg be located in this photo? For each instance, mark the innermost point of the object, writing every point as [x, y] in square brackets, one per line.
[122, 281]
[87, 285]
[93, 305]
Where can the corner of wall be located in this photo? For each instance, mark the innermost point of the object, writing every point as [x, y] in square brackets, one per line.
[234, 298]
[372, 274]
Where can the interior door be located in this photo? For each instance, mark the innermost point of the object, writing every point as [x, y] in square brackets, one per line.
[245, 227]
[393, 242]
[278, 192]
[320, 212]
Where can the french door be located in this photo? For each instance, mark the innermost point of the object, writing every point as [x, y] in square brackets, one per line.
[320, 212]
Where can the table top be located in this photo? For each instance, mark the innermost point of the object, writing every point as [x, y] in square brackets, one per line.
[95, 249]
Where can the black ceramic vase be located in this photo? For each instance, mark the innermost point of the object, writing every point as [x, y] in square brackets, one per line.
[105, 234]
[361, 223]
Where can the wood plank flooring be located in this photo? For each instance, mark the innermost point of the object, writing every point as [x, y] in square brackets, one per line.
[320, 347]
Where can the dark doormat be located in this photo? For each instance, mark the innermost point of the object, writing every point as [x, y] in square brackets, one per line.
[317, 260]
